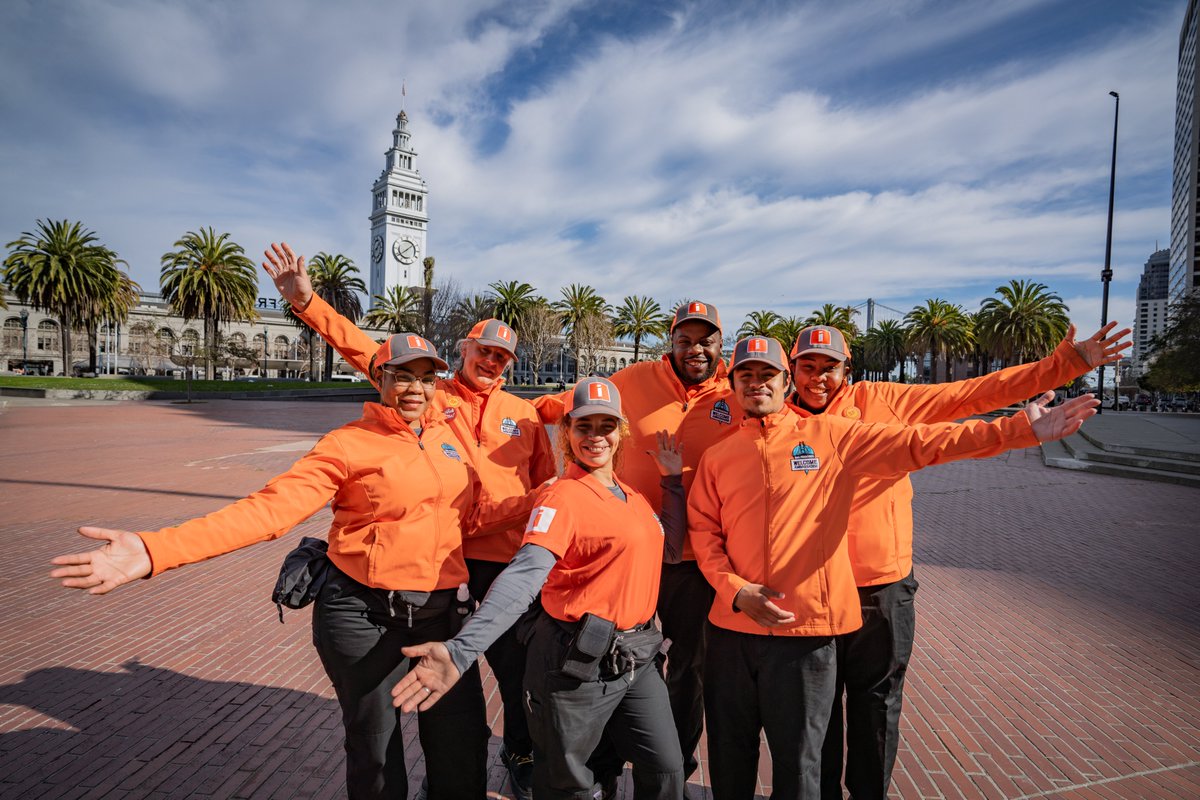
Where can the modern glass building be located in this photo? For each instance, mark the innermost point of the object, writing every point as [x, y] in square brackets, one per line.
[1185, 252]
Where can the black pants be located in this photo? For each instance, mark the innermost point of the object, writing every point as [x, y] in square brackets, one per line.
[684, 599]
[568, 716]
[780, 685]
[359, 641]
[872, 662]
[506, 657]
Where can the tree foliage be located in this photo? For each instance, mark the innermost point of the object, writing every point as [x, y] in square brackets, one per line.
[1176, 351]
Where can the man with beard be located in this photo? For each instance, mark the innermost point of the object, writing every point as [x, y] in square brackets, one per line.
[687, 394]
[504, 438]
[872, 661]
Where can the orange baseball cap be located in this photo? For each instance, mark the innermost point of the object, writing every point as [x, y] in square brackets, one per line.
[694, 309]
[766, 349]
[822, 340]
[401, 348]
[595, 396]
[495, 333]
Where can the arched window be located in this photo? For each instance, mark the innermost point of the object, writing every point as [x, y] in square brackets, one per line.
[238, 339]
[260, 344]
[189, 342]
[47, 336]
[281, 347]
[139, 338]
[623, 363]
[12, 334]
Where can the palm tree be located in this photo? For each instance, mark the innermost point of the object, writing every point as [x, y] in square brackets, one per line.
[759, 323]
[578, 301]
[510, 300]
[939, 328]
[1024, 323]
[639, 317]
[64, 270]
[427, 297]
[787, 329]
[112, 307]
[333, 278]
[886, 344]
[396, 310]
[468, 311]
[840, 317]
[208, 277]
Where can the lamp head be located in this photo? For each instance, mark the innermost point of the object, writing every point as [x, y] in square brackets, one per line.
[1114, 94]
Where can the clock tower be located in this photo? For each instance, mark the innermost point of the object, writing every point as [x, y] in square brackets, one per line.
[398, 216]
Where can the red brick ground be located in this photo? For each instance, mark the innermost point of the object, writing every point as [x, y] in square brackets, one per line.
[1058, 651]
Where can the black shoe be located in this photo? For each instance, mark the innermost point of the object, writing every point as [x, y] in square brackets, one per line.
[520, 774]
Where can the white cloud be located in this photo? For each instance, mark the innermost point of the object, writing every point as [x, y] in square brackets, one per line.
[711, 158]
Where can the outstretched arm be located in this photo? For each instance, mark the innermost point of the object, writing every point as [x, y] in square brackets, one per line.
[290, 275]
[443, 663]
[944, 402]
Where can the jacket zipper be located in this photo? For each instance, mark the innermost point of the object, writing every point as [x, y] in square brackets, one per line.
[766, 467]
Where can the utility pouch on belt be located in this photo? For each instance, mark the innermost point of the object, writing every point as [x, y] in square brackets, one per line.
[302, 575]
[593, 638]
[632, 649]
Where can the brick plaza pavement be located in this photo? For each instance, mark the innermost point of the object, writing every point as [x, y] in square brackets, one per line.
[1058, 649]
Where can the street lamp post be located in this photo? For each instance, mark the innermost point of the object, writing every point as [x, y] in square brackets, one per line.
[24, 340]
[1106, 273]
[266, 346]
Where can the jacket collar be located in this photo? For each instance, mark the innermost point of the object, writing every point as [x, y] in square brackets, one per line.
[390, 419]
[787, 416]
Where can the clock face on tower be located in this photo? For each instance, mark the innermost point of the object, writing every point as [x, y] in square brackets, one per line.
[405, 250]
[377, 248]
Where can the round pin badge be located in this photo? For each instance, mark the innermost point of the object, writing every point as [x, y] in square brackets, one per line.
[852, 413]
[454, 402]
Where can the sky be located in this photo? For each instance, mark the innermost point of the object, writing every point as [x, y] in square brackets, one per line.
[756, 155]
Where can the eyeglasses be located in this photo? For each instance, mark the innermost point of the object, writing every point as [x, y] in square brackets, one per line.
[405, 379]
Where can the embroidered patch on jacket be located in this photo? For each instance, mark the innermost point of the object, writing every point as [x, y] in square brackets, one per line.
[449, 452]
[851, 413]
[540, 519]
[510, 427]
[804, 460]
[454, 402]
[720, 412]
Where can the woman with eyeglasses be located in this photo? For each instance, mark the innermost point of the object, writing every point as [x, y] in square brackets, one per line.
[402, 492]
[594, 549]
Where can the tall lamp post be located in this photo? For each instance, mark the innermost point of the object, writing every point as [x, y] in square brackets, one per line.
[266, 347]
[1106, 273]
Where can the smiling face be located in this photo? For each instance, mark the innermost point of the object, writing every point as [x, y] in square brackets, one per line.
[593, 441]
[759, 388]
[408, 387]
[695, 351]
[482, 365]
[817, 379]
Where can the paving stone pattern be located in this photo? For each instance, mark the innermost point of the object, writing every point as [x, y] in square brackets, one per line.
[1057, 655]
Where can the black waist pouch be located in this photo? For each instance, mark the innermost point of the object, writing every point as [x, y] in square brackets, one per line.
[632, 649]
[302, 575]
[592, 641]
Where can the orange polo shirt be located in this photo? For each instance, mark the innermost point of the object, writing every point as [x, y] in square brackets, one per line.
[399, 504]
[881, 523]
[654, 399]
[770, 506]
[500, 431]
[610, 552]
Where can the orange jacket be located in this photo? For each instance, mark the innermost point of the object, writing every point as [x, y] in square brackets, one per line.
[770, 506]
[654, 399]
[500, 431]
[610, 553]
[399, 503]
[881, 523]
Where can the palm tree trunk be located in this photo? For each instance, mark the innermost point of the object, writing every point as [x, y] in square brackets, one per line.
[637, 346]
[210, 345]
[64, 324]
[93, 335]
[328, 363]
